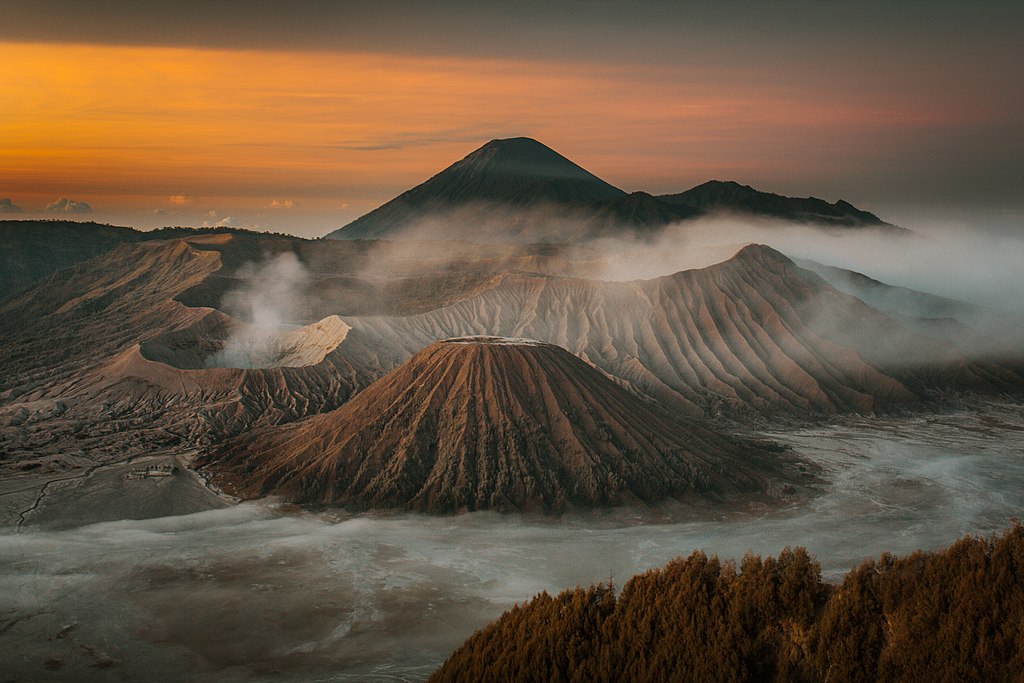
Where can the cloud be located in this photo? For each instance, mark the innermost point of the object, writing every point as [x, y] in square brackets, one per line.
[64, 205]
[180, 199]
[7, 206]
[214, 220]
[282, 204]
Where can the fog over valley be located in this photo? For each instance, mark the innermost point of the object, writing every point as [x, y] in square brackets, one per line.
[258, 591]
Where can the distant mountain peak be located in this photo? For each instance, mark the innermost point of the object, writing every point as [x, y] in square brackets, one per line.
[520, 190]
[522, 157]
[760, 251]
[507, 175]
[518, 143]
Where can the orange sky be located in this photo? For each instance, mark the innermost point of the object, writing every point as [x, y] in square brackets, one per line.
[182, 134]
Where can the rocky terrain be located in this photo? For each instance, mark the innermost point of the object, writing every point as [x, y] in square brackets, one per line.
[491, 423]
[147, 346]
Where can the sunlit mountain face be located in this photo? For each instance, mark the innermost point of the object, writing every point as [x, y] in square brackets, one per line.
[342, 341]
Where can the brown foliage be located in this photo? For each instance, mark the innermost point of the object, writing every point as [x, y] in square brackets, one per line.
[950, 616]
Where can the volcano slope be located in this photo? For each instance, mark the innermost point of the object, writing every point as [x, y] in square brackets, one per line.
[489, 423]
[753, 334]
[76, 385]
[131, 350]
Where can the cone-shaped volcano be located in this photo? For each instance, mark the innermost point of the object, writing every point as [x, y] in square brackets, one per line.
[484, 422]
[507, 176]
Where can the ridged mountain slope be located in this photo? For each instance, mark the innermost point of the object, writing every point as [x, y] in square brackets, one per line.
[488, 423]
[755, 332]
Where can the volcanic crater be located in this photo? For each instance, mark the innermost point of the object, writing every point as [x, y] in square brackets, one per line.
[220, 341]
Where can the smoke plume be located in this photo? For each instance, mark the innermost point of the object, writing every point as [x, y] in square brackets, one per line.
[267, 300]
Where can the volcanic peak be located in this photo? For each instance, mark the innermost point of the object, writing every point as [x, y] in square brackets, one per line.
[474, 423]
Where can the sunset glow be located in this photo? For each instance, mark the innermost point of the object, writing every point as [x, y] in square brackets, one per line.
[141, 127]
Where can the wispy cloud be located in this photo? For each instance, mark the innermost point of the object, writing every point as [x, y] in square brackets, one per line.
[64, 205]
[409, 139]
[180, 199]
[7, 206]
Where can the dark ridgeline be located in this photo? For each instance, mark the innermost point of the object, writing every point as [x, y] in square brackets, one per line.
[35, 249]
[956, 615]
[521, 190]
[730, 196]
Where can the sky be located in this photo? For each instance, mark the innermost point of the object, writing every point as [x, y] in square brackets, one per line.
[301, 116]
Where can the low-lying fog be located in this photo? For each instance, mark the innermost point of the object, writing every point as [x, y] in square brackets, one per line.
[951, 258]
[253, 592]
[970, 256]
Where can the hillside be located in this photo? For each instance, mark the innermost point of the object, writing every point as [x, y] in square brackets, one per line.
[730, 196]
[34, 249]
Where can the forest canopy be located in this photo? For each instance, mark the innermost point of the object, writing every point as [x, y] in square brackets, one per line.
[953, 615]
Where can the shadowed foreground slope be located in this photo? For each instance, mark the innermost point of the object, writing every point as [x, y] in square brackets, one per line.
[483, 422]
[956, 615]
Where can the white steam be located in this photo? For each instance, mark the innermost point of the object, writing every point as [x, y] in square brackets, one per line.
[268, 301]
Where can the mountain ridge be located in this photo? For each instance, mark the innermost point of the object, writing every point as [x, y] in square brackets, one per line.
[729, 195]
[518, 189]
